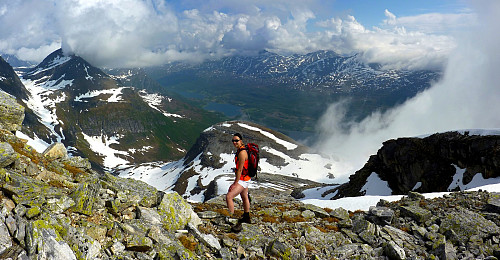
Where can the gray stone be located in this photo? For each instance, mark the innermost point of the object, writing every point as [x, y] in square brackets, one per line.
[59, 205]
[394, 251]
[382, 214]
[319, 212]
[307, 214]
[11, 224]
[208, 240]
[5, 240]
[208, 214]
[117, 248]
[417, 213]
[350, 251]
[11, 113]
[56, 151]
[466, 224]
[7, 154]
[85, 196]
[44, 241]
[340, 213]
[149, 215]
[176, 213]
[445, 251]
[493, 204]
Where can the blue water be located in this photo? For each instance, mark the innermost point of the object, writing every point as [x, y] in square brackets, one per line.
[227, 109]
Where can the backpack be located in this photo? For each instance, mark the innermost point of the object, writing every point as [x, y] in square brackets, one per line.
[253, 158]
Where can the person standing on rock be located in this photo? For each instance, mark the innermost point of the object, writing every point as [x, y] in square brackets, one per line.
[241, 182]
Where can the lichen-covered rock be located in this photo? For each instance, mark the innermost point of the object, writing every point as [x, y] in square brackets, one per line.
[466, 224]
[133, 190]
[7, 154]
[417, 213]
[5, 240]
[11, 113]
[176, 213]
[27, 191]
[353, 251]
[319, 212]
[394, 251]
[45, 242]
[85, 196]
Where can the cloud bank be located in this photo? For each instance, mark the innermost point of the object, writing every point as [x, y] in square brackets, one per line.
[130, 33]
[467, 97]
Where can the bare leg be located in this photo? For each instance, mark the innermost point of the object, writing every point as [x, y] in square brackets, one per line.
[246, 201]
[237, 189]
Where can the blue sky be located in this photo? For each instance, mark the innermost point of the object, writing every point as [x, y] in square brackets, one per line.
[129, 33]
[371, 13]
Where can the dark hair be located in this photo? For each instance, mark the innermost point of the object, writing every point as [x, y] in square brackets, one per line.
[238, 135]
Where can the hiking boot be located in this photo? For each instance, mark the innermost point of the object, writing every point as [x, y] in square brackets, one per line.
[245, 218]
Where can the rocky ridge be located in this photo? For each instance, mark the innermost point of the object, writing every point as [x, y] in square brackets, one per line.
[428, 164]
[56, 207]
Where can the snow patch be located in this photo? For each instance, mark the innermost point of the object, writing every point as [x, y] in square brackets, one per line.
[287, 145]
[476, 181]
[115, 95]
[101, 145]
[154, 101]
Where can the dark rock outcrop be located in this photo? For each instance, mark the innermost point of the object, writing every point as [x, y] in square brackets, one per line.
[430, 162]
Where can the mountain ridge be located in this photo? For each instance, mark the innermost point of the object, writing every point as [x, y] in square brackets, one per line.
[78, 104]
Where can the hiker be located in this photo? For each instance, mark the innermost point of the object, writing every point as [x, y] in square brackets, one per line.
[241, 182]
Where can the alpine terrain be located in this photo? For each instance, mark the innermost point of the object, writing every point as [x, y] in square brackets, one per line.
[114, 125]
[55, 206]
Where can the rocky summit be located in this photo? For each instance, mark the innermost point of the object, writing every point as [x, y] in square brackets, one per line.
[53, 206]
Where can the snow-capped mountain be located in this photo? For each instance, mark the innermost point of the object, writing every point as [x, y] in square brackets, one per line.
[321, 70]
[207, 170]
[113, 125]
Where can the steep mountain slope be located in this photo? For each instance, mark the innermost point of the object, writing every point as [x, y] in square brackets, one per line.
[10, 83]
[290, 93]
[111, 124]
[207, 169]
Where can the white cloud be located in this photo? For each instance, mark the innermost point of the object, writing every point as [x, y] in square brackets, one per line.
[125, 33]
[467, 97]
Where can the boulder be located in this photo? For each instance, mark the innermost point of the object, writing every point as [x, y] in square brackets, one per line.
[56, 151]
[44, 241]
[176, 213]
[11, 113]
[7, 154]
[465, 224]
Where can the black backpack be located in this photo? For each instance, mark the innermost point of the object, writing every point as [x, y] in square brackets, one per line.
[253, 158]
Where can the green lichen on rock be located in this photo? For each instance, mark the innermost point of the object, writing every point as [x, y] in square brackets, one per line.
[28, 191]
[11, 113]
[176, 212]
[466, 224]
[85, 196]
[7, 154]
[135, 190]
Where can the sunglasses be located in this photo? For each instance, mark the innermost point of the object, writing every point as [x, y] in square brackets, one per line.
[235, 141]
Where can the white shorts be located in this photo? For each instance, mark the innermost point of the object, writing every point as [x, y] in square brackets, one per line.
[244, 184]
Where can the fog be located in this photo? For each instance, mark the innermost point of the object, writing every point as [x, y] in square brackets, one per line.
[467, 97]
